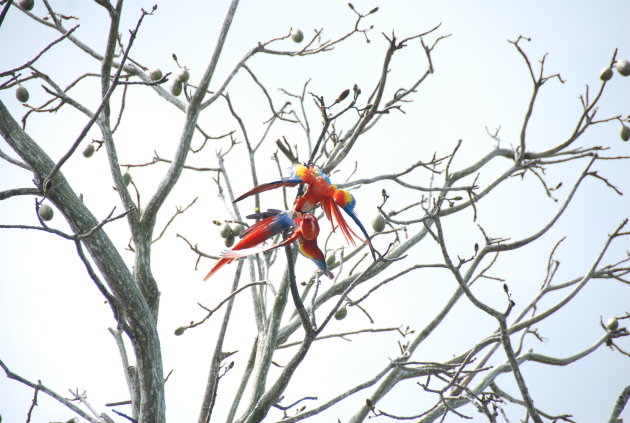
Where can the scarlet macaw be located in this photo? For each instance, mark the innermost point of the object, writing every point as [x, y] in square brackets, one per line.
[319, 191]
[305, 231]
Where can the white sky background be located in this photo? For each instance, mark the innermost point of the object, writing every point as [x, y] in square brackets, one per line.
[53, 322]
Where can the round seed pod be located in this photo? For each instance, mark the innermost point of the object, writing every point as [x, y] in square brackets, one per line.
[155, 74]
[612, 324]
[27, 4]
[297, 35]
[606, 74]
[176, 88]
[226, 231]
[237, 230]
[45, 212]
[21, 93]
[89, 151]
[624, 132]
[623, 67]
[341, 313]
[183, 76]
[378, 224]
[127, 178]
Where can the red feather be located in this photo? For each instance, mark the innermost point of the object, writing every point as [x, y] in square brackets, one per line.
[255, 235]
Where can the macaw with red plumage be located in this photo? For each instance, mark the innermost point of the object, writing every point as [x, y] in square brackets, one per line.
[319, 191]
[305, 231]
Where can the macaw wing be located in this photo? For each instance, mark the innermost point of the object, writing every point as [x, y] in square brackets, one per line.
[265, 214]
[286, 182]
[273, 222]
[234, 253]
[276, 222]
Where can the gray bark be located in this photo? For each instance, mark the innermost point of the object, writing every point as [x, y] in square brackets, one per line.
[136, 313]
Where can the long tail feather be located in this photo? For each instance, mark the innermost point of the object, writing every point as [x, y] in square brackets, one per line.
[350, 212]
[327, 205]
[236, 254]
[219, 264]
[288, 182]
[347, 202]
[343, 225]
[321, 264]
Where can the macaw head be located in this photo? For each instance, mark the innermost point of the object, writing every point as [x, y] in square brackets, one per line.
[300, 171]
[309, 174]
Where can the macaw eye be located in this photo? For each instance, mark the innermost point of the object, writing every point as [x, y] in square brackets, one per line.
[310, 228]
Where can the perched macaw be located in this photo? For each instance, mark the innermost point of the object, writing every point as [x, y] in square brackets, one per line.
[319, 191]
[305, 231]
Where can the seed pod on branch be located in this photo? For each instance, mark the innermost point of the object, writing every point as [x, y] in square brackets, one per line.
[342, 96]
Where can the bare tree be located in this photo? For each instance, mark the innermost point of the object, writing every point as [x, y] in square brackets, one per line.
[291, 310]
